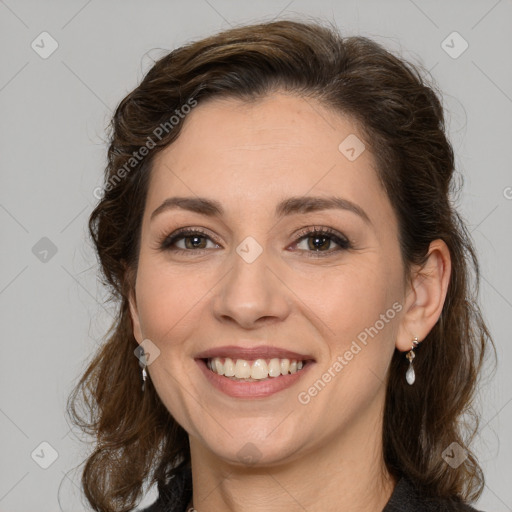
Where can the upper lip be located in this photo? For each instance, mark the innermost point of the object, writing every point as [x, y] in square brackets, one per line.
[250, 353]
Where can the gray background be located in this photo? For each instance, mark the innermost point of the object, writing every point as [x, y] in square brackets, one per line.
[52, 145]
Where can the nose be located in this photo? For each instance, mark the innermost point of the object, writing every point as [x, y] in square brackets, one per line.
[252, 293]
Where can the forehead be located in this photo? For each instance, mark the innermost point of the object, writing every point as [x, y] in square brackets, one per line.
[261, 151]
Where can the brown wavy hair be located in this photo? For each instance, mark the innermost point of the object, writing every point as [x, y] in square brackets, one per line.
[401, 119]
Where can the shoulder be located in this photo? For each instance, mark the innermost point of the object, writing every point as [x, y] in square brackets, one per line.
[155, 507]
[174, 496]
[163, 505]
[407, 497]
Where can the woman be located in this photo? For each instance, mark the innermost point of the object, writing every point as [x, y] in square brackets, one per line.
[294, 285]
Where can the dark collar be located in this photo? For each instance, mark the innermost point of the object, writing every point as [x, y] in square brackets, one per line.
[407, 497]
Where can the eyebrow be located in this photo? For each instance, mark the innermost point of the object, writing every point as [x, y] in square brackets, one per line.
[289, 206]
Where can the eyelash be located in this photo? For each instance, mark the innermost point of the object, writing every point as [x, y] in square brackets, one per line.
[168, 241]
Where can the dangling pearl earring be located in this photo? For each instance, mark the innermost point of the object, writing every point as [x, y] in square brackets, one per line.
[141, 356]
[410, 375]
[144, 376]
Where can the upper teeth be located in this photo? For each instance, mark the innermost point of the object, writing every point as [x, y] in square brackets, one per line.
[258, 369]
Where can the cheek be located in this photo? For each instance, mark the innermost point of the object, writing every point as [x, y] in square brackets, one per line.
[168, 301]
[347, 299]
[359, 344]
[359, 324]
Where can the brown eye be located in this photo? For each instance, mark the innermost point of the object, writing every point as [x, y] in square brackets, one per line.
[193, 240]
[320, 240]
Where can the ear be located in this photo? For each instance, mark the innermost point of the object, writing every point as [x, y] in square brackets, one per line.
[132, 301]
[425, 296]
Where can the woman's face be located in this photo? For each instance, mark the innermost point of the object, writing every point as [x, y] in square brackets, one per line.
[254, 277]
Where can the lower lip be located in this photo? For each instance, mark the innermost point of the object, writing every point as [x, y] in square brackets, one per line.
[262, 389]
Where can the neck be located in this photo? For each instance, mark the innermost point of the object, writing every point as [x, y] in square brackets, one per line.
[345, 473]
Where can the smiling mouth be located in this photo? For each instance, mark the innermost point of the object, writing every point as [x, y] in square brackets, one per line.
[245, 370]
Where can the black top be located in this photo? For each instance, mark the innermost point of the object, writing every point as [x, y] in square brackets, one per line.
[405, 498]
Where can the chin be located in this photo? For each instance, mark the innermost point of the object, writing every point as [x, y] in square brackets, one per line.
[257, 450]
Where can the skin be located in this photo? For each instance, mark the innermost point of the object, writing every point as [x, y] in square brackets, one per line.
[326, 454]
